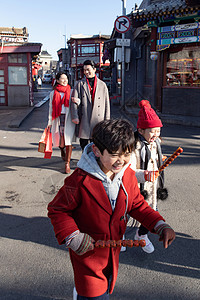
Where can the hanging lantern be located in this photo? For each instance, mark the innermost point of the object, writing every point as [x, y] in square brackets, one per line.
[154, 55]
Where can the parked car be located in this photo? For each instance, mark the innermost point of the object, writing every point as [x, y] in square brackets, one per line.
[47, 78]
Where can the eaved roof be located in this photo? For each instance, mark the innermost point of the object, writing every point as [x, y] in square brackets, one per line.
[45, 53]
[149, 9]
[82, 36]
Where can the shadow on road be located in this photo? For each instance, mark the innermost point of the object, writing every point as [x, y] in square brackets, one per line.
[8, 163]
[181, 258]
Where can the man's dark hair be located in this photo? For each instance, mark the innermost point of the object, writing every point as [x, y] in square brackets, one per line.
[89, 62]
[113, 134]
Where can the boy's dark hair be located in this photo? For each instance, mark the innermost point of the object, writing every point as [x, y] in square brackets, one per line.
[113, 134]
[89, 62]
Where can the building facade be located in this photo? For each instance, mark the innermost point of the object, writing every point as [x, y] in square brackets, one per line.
[16, 55]
[165, 56]
[88, 47]
[48, 65]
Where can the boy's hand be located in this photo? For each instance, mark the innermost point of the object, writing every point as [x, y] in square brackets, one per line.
[166, 233]
[86, 245]
[167, 236]
[151, 175]
[164, 157]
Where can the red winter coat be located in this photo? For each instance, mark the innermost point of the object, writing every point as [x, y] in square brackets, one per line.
[82, 203]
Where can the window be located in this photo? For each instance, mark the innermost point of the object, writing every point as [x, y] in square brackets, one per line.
[17, 75]
[183, 67]
[19, 58]
[88, 49]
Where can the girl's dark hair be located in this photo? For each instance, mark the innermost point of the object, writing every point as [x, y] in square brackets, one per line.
[58, 77]
[113, 134]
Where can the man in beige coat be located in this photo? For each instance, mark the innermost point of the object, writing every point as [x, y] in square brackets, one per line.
[90, 103]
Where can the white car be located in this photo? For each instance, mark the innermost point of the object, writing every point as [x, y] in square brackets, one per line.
[47, 78]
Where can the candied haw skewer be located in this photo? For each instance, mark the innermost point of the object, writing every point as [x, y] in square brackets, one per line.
[170, 159]
[114, 244]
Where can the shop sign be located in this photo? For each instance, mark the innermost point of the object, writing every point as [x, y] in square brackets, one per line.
[11, 39]
[177, 34]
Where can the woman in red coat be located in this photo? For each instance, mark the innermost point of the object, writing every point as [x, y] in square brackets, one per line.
[93, 205]
[59, 119]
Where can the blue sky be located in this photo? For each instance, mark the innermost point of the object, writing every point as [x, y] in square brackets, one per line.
[49, 20]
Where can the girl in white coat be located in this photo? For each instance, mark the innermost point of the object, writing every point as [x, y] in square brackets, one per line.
[60, 118]
[146, 160]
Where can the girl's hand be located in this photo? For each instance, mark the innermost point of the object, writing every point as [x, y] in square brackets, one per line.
[164, 157]
[49, 126]
[75, 121]
[151, 175]
[75, 100]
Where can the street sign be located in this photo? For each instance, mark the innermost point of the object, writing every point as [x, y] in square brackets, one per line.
[123, 42]
[122, 24]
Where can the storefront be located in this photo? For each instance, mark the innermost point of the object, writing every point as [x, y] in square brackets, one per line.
[16, 85]
[170, 56]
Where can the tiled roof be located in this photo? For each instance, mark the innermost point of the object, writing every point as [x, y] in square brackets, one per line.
[82, 36]
[13, 31]
[45, 53]
[157, 7]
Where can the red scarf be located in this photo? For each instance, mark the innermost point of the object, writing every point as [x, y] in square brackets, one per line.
[94, 88]
[58, 102]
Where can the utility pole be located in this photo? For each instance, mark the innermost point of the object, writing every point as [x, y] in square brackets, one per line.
[65, 36]
[123, 59]
[65, 40]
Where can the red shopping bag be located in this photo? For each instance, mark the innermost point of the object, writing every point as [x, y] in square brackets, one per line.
[48, 150]
[43, 142]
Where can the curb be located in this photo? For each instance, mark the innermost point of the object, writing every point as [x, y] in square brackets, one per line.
[168, 119]
[25, 112]
[17, 122]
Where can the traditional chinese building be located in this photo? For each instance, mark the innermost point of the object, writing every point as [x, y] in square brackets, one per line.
[165, 56]
[16, 55]
[88, 47]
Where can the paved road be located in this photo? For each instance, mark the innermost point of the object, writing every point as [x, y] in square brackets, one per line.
[33, 266]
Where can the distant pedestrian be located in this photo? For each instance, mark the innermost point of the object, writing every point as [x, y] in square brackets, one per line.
[93, 205]
[39, 81]
[53, 81]
[148, 158]
[90, 103]
[60, 118]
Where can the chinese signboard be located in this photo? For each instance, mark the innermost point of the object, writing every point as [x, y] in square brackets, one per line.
[177, 34]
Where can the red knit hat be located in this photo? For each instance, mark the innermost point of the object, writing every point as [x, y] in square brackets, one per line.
[147, 117]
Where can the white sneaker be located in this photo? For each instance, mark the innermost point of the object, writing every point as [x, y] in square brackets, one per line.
[123, 249]
[149, 248]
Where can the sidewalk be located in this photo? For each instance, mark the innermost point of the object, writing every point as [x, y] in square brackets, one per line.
[12, 117]
[131, 113]
[169, 119]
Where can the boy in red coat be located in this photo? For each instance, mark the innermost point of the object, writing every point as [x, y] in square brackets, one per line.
[93, 205]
